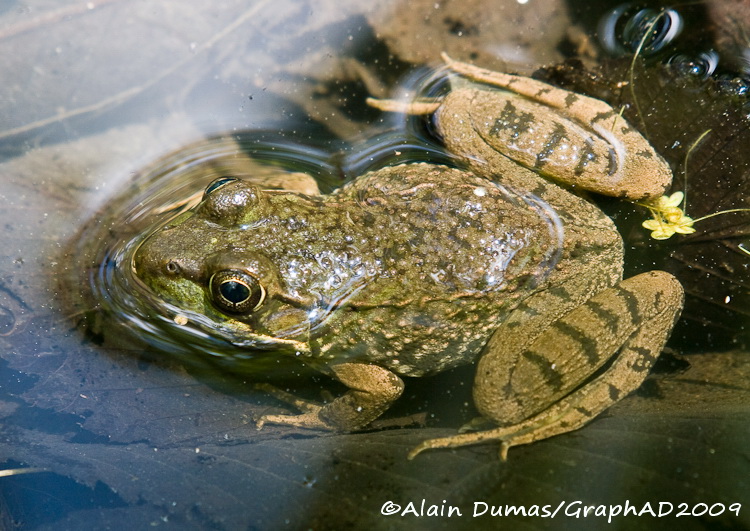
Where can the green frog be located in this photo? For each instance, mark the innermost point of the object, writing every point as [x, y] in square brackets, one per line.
[413, 269]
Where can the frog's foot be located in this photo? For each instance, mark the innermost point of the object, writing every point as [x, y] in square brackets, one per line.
[372, 389]
[308, 419]
[567, 415]
[504, 435]
[414, 107]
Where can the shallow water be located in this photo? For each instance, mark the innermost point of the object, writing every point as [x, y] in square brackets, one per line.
[115, 429]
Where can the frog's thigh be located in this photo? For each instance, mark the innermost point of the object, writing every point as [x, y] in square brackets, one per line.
[648, 305]
[575, 105]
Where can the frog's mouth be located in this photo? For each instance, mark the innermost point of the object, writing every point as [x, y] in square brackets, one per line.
[203, 322]
[234, 332]
[263, 342]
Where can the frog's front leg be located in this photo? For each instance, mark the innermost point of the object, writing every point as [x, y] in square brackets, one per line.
[544, 387]
[372, 390]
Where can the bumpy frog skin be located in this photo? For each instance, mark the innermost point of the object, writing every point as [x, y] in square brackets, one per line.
[413, 269]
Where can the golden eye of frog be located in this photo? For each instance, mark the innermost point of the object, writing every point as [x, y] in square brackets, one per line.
[412, 269]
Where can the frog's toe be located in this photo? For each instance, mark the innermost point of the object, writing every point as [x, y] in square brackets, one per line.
[502, 435]
[476, 424]
[415, 107]
[307, 406]
[307, 420]
[310, 417]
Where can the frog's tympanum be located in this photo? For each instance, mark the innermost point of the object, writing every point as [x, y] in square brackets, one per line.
[413, 269]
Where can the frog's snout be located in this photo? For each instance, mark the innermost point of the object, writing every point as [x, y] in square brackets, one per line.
[154, 259]
[145, 262]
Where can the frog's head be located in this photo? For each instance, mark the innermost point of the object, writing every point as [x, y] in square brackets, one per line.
[205, 262]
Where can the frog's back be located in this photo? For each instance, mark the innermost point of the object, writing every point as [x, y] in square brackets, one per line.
[446, 232]
[454, 252]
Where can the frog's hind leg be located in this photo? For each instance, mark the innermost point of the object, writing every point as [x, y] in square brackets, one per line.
[583, 108]
[652, 300]
[609, 156]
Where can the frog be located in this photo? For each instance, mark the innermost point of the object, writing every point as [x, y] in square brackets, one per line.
[412, 269]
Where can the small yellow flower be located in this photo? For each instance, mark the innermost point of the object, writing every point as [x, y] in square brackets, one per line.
[684, 225]
[668, 217]
[659, 230]
[664, 203]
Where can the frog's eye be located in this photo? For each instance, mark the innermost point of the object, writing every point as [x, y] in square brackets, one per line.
[218, 183]
[236, 291]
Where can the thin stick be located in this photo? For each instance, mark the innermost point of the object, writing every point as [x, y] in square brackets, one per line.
[685, 166]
